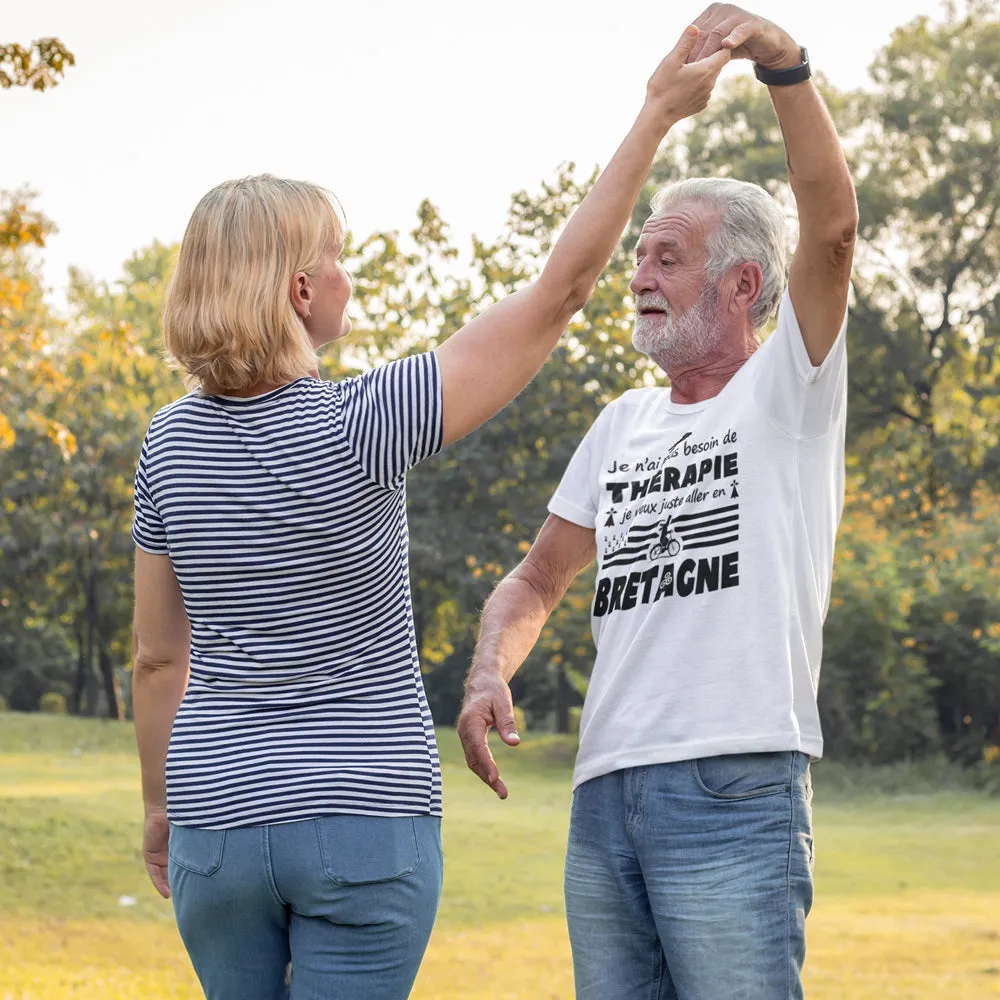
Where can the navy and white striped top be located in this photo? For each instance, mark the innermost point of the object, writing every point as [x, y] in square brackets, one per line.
[284, 516]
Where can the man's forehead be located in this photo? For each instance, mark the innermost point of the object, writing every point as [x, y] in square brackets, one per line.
[679, 226]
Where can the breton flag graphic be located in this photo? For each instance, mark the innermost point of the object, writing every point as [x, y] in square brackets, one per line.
[701, 530]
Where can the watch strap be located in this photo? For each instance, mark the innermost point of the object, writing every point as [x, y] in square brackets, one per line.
[784, 77]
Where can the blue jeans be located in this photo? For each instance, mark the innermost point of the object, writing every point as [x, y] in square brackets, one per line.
[348, 900]
[692, 880]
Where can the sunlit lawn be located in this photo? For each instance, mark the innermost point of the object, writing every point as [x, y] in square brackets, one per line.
[908, 887]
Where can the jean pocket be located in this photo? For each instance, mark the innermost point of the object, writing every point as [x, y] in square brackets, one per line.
[731, 777]
[197, 850]
[360, 850]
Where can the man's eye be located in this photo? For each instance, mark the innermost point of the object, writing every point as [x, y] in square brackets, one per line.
[667, 263]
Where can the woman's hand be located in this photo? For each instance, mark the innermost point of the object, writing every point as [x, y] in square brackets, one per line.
[155, 839]
[728, 27]
[679, 88]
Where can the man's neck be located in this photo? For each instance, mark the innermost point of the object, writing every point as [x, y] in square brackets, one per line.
[698, 382]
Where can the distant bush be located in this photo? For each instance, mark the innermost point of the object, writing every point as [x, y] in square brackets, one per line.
[53, 703]
[911, 657]
[24, 689]
[3, 703]
[986, 774]
[574, 720]
[520, 722]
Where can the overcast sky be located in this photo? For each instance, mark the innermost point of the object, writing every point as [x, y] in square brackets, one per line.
[385, 102]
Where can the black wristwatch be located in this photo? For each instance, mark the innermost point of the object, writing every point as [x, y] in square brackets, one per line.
[784, 77]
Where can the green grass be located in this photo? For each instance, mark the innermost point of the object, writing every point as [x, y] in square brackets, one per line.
[908, 885]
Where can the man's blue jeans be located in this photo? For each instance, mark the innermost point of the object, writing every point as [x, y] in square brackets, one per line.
[348, 900]
[692, 880]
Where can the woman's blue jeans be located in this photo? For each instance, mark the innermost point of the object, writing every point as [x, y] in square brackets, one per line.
[348, 900]
[692, 880]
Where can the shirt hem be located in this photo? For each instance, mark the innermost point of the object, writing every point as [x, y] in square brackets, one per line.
[769, 743]
[806, 370]
[569, 511]
[212, 823]
[146, 548]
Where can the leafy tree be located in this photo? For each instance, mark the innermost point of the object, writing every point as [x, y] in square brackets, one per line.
[913, 637]
[927, 311]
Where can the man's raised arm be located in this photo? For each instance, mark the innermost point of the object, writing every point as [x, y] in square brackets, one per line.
[512, 620]
[820, 273]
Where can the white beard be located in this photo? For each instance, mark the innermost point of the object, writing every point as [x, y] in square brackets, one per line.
[675, 342]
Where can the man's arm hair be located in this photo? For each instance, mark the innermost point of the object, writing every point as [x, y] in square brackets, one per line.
[512, 620]
[516, 612]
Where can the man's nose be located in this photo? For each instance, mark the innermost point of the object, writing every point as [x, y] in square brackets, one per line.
[644, 280]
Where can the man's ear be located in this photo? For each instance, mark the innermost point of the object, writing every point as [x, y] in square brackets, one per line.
[748, 283]
[301, 294]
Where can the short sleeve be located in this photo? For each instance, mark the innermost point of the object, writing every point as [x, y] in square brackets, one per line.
[393, 417]
[577, 496]
[803, 399]
[147, 527]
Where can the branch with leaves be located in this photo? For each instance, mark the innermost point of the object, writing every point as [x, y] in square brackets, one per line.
[40, 66]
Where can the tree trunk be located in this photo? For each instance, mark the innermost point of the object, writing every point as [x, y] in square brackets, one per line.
[114, 709]
[79, 679]
[76, 698]
[90, 680]
[563, 694]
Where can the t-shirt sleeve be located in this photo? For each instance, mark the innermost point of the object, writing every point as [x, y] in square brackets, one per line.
[148, 531]
[393, 417]
[803, 399]
[577, 496]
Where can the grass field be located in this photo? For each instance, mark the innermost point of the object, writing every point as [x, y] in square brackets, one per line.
[908, 886]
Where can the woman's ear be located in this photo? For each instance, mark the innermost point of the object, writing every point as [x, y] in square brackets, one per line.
[301, 294]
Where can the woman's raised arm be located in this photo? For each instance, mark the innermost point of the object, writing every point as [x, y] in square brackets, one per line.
[491, 359]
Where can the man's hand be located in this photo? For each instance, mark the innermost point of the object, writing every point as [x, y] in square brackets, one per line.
[155, 834]
[487, 704]
[724, 26]
[677, 90]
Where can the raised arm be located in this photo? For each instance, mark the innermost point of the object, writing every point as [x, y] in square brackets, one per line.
[161, 646]
[512, 620]
[820, 274]
[490, 360]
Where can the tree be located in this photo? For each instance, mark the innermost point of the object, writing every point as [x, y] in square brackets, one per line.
[64, 528]
[927, 308]
[913, 636]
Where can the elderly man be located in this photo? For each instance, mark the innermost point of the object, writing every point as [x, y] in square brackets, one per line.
[712, 508]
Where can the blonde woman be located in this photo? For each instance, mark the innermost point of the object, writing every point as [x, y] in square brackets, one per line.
[289, 769]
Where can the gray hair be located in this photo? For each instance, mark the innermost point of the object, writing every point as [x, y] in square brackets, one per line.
[751, 228]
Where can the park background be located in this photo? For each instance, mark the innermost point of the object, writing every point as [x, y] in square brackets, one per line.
[908, 799]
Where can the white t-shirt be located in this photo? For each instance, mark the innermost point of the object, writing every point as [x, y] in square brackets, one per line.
[715, 530]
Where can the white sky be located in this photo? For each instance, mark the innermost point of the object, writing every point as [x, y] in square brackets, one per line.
[383, 101]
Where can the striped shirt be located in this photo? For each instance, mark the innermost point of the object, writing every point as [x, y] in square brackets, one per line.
[284, 516]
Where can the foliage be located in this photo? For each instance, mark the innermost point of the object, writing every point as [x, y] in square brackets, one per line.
[52, 703]
[38, 66]
[912, 657]
[927, 295]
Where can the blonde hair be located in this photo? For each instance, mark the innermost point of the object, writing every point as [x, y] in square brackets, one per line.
[228, 320]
